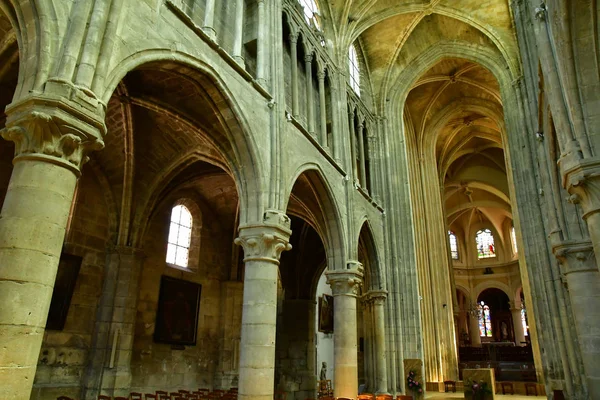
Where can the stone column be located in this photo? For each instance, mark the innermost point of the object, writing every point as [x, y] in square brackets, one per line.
[353, 146]
[517, 325]
[310, 111]
[209, 17]
[345, 286]
[262, 45]
[109, 371]
[294, 54]
[323, 108]
[50, 146]
[474, 330]
[361, 155]
[238, 34]
[263, 244]
[579, 263]
[378, 298]
[335, 119]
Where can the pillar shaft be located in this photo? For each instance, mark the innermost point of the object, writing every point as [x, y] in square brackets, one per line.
[353, 145]
[474, 330]
[209, 17]
[345, 286]
[310, 111]
[381, 381]
[323, 109]
[48, 153]
[518, 326]
[294, 53]
[263, 244]
[238, 35]
[262, 45]
[361, 156]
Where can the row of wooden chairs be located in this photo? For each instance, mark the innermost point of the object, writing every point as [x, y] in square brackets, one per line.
[200, 394]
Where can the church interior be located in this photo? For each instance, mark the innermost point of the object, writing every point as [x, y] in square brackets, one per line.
[299, 199]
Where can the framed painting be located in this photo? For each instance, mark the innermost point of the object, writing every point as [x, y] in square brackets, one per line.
[326, 313]
[64, 286]
[177, 312]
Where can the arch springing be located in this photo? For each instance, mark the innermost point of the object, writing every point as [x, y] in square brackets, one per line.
[354, 70]
[180, 236]
[485, 244]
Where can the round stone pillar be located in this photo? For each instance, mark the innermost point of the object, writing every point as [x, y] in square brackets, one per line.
[345, 286]
[263, 244]
[378, 297]
[518, 326]
[50, 146]
[474, 330]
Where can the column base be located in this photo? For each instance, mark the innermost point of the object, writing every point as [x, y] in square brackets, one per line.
[210, 32]
[240, 60]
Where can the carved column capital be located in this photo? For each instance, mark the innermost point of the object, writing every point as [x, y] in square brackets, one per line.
[293, 38]
[378, 296]
[575, 256]
[308, 58]
[321, 74]
[346, 282]
[582, 181]
[267, 240]
[53, 131]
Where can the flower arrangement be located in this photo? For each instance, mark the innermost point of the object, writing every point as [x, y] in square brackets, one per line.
[412, 383]
[477, 390]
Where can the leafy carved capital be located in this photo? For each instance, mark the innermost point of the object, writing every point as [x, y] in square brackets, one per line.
[345, 282]
[583, 184]
[266, 241]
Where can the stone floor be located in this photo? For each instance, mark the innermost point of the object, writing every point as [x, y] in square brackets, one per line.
[449, 396]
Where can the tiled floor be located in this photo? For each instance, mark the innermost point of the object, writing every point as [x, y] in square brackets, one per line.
[444, 396]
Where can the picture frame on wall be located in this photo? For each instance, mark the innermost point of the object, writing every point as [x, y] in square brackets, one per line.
[326, 313]
[64, 286]
[177, 312]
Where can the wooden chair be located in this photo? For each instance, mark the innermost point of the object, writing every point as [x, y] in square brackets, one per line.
[324, 389]
[384, 397]
[162, 395]
[149, 396]
[121, 398]
[450, 385]
[507, 386]
[135, 396]
[177, 396]
[533, 387]
[403, 397]
[103, 397]
[366, 396]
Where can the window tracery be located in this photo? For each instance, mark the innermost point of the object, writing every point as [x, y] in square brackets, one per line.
[180, 236]
[485, 244]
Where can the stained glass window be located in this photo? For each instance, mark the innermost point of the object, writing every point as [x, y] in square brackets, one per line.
[354, 70]
[180, 236]
[311, 12]
[485, 322]
[524, 321]
[453, 245]
[485, 244]
[513, 238]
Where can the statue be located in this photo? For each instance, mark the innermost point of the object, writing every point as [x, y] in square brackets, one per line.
[323, 374]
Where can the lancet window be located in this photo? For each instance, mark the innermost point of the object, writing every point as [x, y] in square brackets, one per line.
[453, 245]
[180, 235]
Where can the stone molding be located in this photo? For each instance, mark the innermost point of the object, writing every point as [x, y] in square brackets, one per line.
[50, 130]
[378, 296]
[575, 257]
[582, 181]
[267, 240]
[346, 282]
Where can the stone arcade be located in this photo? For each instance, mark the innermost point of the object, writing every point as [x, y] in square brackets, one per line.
[430, 167]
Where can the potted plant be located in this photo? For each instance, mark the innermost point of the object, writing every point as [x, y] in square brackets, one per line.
[476, 390]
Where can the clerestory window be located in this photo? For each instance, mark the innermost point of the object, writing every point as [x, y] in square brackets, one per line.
[354, 70]
[453, 245]
[180, 236]
[485, 244]
[311, 12]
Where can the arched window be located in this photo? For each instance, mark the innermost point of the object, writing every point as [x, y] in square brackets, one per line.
[513, 239]
[485, 244]
[524, 321]
[311, 12]
[453, 245]
[485, 322]
[180, 236]
[354, 70]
